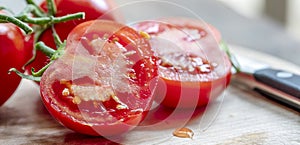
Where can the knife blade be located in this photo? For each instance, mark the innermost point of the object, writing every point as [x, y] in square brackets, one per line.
[276, 84]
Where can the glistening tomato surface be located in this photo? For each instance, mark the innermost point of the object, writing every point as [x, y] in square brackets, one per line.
[192, 69]
[103, 83]
[93, 9]
[11, 55]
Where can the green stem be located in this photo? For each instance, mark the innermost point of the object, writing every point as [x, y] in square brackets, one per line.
[51, 8]
[49, 51]
[41, 71]
[59, 52]
[57, 39]
[49, 20]
[36, 36]
[22, 25]
[39, 31]
[55, 54]
[30, 60]
[79, 15]
[45, 49]
[31, 9]
[39, 11]
[29, 77]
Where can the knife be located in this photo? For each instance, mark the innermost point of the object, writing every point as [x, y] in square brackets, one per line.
[279, 85]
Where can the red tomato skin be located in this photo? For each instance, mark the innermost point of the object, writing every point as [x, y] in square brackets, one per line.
[110, 130]
[191, 94]
[48, 93]
[94, 9]
[11, 55]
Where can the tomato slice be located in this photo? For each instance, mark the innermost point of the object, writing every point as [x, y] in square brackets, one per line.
[98, 87]
[192, 68]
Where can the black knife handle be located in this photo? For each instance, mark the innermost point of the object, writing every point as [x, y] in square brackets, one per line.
[286, 82]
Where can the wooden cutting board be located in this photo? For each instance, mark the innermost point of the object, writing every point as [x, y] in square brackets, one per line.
[245, 117]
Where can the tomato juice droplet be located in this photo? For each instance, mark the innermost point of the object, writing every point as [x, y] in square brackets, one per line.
[183, 133]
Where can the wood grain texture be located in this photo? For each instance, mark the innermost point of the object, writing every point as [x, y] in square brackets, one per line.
[245, 118]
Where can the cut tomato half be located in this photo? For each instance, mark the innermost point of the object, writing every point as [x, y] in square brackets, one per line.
[103, 83]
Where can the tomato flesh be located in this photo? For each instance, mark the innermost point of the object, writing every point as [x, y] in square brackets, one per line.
[98, 87]
[184, 63]
[192, 69]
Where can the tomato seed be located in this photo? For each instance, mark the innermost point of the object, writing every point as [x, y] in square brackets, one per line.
[76, 100]
[65, 82]
[105, 37]
[96, 105]
[115, 39]
[66, 92]
[121, 106]
[145, 35]
[132, 75]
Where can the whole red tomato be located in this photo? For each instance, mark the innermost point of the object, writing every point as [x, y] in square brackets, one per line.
[192, 69]
[102, 85]
[94, 9]
[12, 43]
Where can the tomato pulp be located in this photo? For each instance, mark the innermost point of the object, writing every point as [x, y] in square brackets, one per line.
[93, 9]
[103, 83]
[192, 69]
